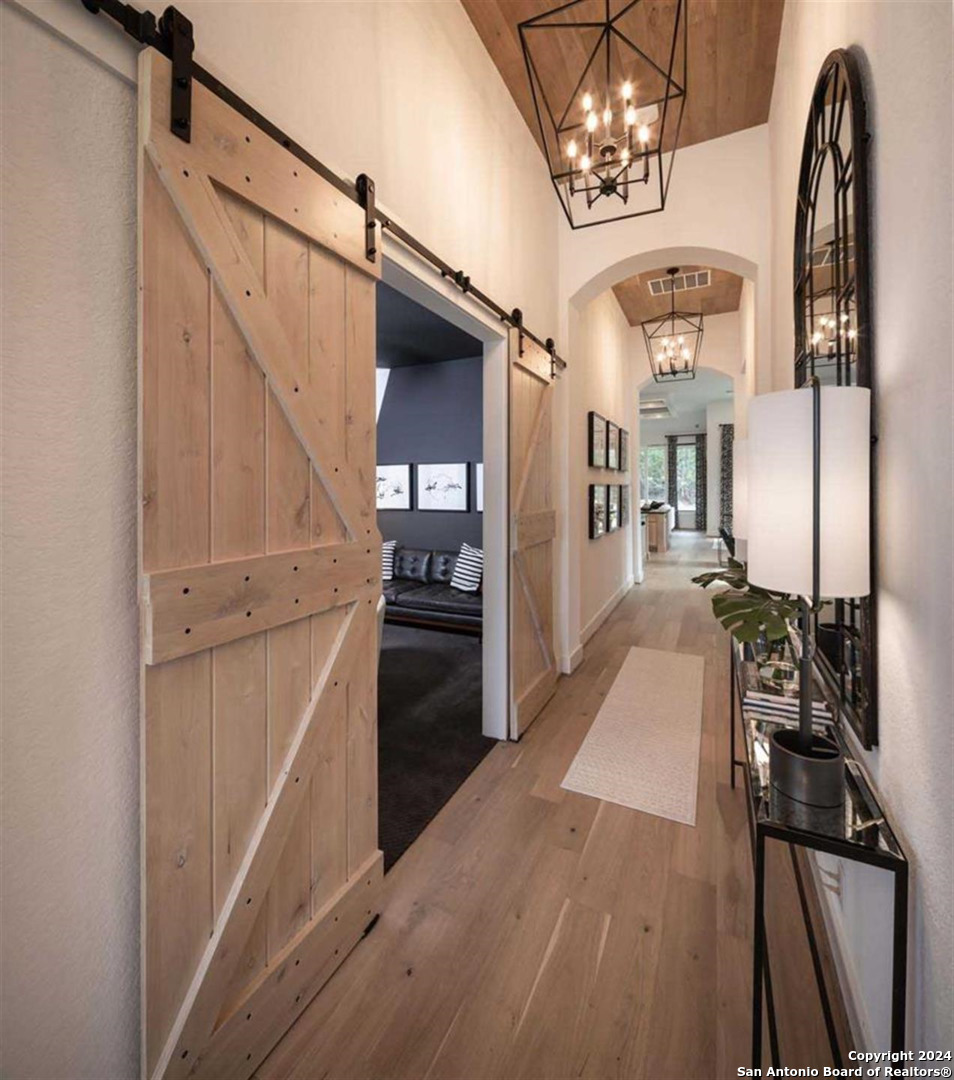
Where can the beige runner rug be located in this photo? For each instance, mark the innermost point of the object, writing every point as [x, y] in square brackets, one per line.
[642, 749]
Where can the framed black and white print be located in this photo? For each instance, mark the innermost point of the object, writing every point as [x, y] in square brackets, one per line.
[393, 487]
[612, 445]
[597, 510]
[597, 441]
[442, 487]
[612, 514]
[624, 504]
[623, 450]
[479, 486]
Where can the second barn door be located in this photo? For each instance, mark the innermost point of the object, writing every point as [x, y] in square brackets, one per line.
[533, 671]
[260, 573]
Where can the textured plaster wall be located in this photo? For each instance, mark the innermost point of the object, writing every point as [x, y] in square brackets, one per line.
[69, 866]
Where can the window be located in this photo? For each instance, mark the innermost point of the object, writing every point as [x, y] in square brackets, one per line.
[652, 473]
[686, 477]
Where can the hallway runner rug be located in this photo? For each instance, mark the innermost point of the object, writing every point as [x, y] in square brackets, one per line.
[642, 750]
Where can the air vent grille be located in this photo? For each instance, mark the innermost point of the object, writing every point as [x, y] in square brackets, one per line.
[697, 279]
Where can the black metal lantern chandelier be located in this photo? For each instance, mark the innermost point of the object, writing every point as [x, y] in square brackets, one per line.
[608, 79]
[673, 340]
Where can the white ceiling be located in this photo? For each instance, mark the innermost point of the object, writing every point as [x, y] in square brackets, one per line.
[690, 396]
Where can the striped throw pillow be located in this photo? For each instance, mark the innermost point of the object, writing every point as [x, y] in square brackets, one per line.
[469, 569]
[387, 560]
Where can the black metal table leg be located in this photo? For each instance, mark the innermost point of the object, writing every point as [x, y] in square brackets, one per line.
[731, 713]
[899, 961]
[758, 946]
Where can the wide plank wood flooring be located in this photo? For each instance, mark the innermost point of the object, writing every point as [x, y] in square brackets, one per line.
[532, 932]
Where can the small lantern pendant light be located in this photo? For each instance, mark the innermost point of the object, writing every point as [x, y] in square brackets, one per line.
[673, 340]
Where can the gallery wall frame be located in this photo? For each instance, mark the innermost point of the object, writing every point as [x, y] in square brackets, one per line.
[612, 512]
[443, 486]
[623, 450]
[479, 486]
[597, 440]
[597, 510]
[625, 504]
[612, 445]
[393, 487]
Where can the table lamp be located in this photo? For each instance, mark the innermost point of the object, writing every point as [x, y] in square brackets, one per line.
[808, 524]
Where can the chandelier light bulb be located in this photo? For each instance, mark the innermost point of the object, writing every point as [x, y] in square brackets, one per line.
[630, 116]
[587, 103]
[571, 149]
[627, 91]
[624, 155]
[665, 343]
[591, 122]
[585, 163]
[852, 334]
[685, 354]
[816, 337]
[643, 134]
[607, 116]
[844, 317]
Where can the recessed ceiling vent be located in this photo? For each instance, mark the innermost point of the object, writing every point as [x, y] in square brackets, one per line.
[698, 279]
[654, 409]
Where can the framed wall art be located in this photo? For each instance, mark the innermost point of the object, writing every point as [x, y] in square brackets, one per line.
[612, 515]
[597, 441]
[393, 484]
[443, 487]
[624, 504]
[623, 450]
[479, 486]
[612, 445]
[597, 510]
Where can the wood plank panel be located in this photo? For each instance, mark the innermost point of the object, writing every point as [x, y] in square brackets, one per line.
[260, 570]
[533, 531]
[732, 54]
[191, 608]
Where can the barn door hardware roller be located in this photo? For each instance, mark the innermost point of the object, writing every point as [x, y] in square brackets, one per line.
[365, 188]
[177, 30]
[516, 317]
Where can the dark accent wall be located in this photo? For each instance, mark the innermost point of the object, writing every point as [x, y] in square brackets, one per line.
[433, 413]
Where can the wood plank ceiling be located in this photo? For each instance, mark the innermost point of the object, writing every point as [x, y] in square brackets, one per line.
[721, 295]
[732, 49]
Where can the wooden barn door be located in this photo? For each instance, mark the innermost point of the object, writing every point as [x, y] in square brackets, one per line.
[259, 581]
[533, 672]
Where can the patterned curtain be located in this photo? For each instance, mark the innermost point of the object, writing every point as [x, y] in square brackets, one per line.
[671, 472]
[726, 439]
[701, 483]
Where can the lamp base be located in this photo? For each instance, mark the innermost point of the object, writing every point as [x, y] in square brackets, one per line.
[816, 778]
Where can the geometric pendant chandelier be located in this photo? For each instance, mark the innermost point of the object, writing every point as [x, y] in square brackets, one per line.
[673, 340]
[608, 80]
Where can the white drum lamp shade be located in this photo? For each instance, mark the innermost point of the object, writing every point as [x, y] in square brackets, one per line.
[740, 489]
[780, 509]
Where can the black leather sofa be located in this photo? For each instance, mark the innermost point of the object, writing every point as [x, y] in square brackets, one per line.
[420, 593]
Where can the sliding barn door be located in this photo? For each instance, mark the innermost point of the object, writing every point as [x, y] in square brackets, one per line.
[533, 672]
[259, 581]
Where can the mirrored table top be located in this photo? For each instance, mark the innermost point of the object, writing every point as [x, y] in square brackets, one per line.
[859, 823]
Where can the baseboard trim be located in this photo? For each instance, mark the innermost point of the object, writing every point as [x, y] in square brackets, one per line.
[569, 662]
[605, 611]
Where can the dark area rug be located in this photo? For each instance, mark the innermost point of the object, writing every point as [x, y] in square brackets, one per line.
[429, 737]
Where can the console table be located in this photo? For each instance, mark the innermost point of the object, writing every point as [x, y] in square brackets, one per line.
[858, 831]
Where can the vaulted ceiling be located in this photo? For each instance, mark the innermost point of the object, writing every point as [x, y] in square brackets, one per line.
[732, 46]
[723, 294]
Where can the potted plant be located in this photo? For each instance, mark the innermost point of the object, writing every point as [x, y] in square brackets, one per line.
[751, 614]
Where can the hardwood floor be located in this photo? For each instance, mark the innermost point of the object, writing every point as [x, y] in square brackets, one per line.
[534, 932]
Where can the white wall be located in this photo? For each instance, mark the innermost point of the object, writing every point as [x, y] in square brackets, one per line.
[387, 88]
[601, 378]
[905, 51]
[69, 987]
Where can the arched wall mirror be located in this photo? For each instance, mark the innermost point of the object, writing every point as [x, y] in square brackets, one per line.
[833, 336]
